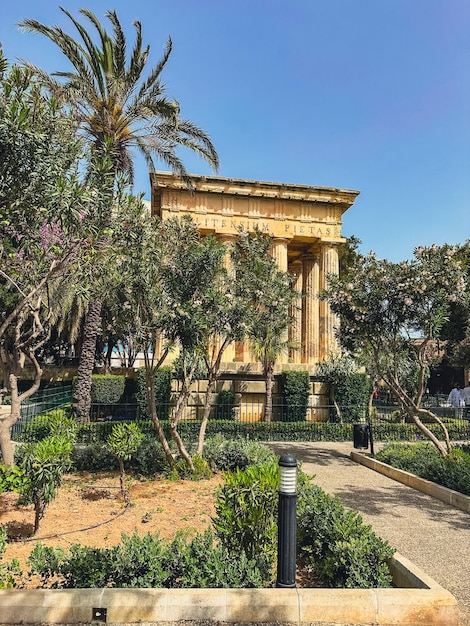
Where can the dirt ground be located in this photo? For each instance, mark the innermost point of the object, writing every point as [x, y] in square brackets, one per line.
[90, 510]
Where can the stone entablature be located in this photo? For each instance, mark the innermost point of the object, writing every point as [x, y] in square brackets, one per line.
[305, 223]
[223, 205]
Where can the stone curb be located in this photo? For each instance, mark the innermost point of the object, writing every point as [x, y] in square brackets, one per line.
[448, 496]
[419, 601]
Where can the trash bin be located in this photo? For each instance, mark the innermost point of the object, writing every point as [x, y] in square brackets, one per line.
[361, 436]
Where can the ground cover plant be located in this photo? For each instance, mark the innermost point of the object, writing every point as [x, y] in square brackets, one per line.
[422, 459]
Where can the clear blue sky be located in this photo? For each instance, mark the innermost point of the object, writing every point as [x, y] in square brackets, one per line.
[371, 95]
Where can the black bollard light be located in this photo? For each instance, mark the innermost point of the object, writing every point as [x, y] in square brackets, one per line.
[287, 522]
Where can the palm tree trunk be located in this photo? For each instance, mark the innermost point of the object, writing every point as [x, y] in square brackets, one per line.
[82, 392]
[268, 409]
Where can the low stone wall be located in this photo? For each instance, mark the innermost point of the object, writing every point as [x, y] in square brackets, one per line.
[418, 602]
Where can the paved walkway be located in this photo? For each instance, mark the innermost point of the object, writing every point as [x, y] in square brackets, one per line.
[433, 535]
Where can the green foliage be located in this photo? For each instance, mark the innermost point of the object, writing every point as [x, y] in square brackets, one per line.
[162, 392]
[180, 470]
[246, 508]
[96, 456]
[125, 440]
[7, 570]
[107, 388]
[389, 312]
[12, 478]
[341, 550]
[225, 405]
[295, 393]
[149, 561]
[230, 454]
[45, 463]
[57, 422]
[274, 431]
[423, 460]
[352, 395]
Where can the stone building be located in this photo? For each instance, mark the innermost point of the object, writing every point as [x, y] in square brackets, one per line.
[305, 223]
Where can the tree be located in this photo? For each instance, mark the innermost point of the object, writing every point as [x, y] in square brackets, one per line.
[124, 441]
[271, 299]
[42, 231]
[333, 370]
[456, 329]
[390, 314]
[118, 108]
[192, 275]
[45, 463]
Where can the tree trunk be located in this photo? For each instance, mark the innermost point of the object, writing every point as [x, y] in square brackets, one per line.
[9, 415]
[180, 406]
[6, 446]
[268, 409]
[336, 405]
[122, 481]
[39, 508]
[82, 392]
[151, 404]
[443, 449]
[178, 413]
[213, 376]
[208, 403]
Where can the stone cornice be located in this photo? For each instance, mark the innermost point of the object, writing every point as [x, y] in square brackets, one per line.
[342, 198]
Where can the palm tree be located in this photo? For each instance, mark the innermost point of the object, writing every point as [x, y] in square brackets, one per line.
[118, 109]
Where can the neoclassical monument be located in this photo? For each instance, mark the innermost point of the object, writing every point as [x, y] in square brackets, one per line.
[306, 225]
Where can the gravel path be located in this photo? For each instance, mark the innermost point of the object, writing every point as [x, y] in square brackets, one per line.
[433, 535]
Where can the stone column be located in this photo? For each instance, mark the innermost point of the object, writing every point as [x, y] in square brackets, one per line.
[279, 253]
[328, 321]
[295, 331]
[310, 310]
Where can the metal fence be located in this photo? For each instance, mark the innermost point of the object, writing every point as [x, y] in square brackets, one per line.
[41, 402]
[319, 422]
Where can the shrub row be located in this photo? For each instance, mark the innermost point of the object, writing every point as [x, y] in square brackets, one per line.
[149, 561]
[256, 431]
[423, 460]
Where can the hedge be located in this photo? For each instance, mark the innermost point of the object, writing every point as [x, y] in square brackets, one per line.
[295, 387]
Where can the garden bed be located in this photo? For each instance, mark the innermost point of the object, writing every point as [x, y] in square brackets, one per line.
[449, 496]
[419, 602]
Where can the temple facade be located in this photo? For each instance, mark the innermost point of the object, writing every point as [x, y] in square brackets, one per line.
[305, 223]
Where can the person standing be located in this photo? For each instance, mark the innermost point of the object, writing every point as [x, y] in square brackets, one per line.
[466, 397]
[456, 400]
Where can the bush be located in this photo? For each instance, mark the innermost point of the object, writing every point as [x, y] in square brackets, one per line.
[230, 454]
[57, 422]
[225, 405]
[96, 456]
[295, 387]
[148, 561]
[340, 549]
[8, 571]
[12, 478]
[107, 388]
[246, 508]
[352, 396]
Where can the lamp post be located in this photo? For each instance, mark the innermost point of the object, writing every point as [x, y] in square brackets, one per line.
[287, 523]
